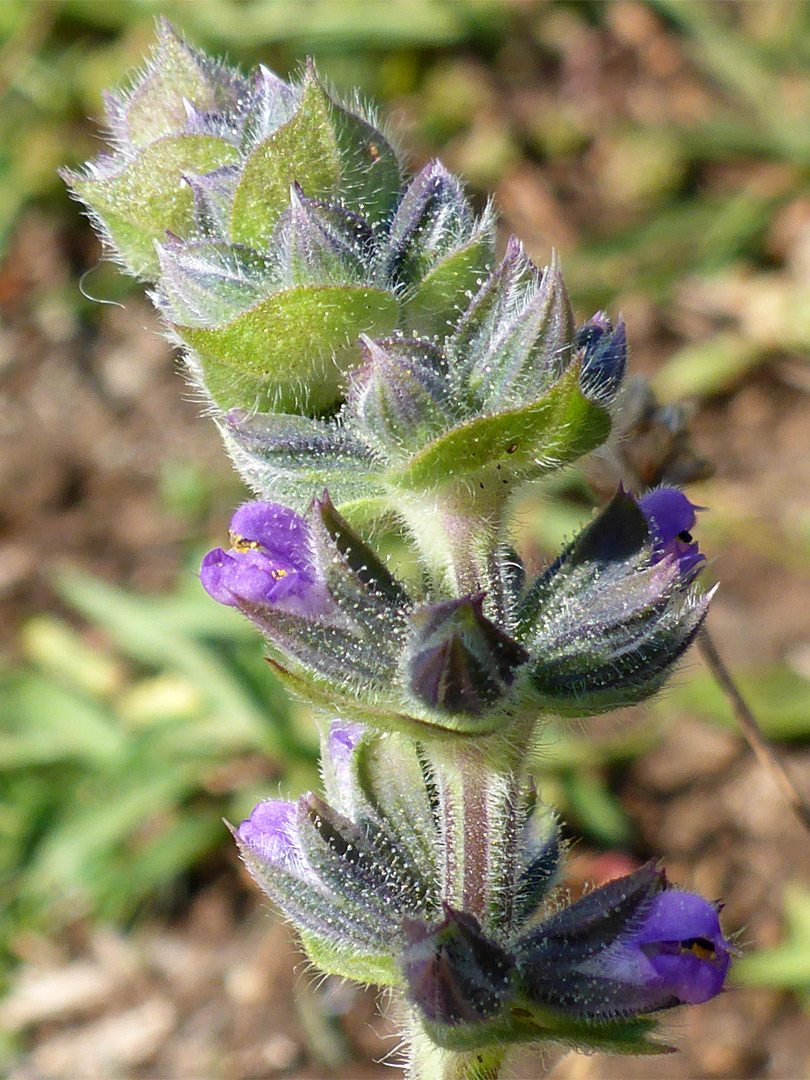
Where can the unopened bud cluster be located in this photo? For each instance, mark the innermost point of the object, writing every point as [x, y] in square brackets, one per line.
[368, 358]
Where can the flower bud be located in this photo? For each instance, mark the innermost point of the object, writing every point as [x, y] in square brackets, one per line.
[317, 244]
[530, 350]
[521, 411]
[138, 192]
[177, 84]
[459, 661]
[540, 851]
[211, 195]
[603, 355]
[339, 752]
[432, 219]
[334, 153]
[470, 342]
[207, 284]
[273, 103]
[403, 396]
[207, 156]
[608, 620]
[356, 578]
[340, 869]
[455, 974]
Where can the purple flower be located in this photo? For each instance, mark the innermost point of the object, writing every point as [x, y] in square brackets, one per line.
[338, 748]
[271, 834]
[342, 879]
[670, 518]
[631, 947]
[269, 564]
[679, 948]
[343, 738]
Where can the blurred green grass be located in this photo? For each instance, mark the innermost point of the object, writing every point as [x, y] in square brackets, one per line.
[132, 726]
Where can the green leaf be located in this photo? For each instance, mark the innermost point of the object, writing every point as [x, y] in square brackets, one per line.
[525, 442]
[305, 150]
[54, 645]
[596, 809]
[291, 352]
[709, 367]
[90, 828]
[138, 204]
[55, 724]
[370, 177]
[176, 844]
[788, 964]
[377, 970]
[444, 292]
[132, 621]
[777, 695]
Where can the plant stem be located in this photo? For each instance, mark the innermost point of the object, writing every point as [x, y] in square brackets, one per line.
[765, 753]
[426, 1061]
[482, 791]
[457, 533]
[462, 788]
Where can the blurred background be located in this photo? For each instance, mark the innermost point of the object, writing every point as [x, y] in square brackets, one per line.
[663, 147]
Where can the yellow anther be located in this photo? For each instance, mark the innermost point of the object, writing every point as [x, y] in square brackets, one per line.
[699, 950]
[239, 543]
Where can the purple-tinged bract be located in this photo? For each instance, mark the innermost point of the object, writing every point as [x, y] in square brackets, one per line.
[460, 661]
[455, 974]
[608, 620]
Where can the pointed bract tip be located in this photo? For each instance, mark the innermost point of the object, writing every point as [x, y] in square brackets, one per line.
[455, 974]
[460, 661]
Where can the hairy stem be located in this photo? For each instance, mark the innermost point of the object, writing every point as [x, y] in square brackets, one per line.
[426, 1061]
[457, 533]
[480, 789]
[462, 781]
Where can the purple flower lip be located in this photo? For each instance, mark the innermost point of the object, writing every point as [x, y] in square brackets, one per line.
[670, 517]
[269, 831]
[629, 948]
[337, 755]
[270, 563]
[271, 835]
[681, 939]
[676, 955]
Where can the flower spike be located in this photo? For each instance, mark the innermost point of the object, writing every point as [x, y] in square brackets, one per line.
[371, 364]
